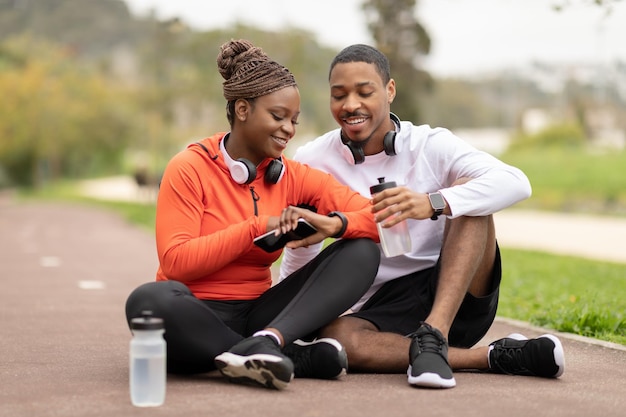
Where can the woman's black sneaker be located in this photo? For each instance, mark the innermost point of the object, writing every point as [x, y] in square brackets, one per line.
[256, 360]
[322, 358]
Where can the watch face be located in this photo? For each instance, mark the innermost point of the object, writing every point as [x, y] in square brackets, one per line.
[437, 201]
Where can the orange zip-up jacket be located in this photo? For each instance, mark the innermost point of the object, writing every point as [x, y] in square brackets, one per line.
[205, 221]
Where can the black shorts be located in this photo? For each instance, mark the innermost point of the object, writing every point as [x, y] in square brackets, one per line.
[401, 304]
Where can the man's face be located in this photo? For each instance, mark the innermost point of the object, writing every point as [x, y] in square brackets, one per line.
[360, 103]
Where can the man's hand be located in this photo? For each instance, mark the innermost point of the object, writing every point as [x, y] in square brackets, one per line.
[403, 202]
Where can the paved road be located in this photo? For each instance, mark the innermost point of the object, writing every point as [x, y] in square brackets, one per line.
[67, 270]
[593, 237]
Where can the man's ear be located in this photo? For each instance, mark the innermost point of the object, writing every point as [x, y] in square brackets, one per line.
[391, 90]
[242, 108]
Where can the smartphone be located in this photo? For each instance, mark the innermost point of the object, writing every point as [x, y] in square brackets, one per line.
[269, 242]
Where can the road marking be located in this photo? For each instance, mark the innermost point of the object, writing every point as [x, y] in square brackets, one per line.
[91, 285]
[50, 261]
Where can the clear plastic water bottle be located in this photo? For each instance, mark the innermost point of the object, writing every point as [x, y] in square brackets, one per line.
[147, 361]
[394, 240]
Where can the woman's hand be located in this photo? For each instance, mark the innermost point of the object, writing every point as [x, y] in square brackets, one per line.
[326, 226]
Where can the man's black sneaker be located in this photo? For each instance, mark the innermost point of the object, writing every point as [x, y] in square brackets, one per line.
[428, 358]
[257, 360]
[517, 355]
[322, 358]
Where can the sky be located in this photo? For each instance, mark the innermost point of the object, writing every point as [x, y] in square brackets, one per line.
[469, 37]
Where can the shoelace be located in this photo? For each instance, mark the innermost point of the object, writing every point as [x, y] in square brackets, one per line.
[509, 360]
[301, 359]
[428, 342]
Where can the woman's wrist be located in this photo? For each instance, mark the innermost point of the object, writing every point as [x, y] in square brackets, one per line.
[344, 223]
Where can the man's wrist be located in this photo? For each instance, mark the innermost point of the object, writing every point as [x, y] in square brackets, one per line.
[344, 223]
[438, 204]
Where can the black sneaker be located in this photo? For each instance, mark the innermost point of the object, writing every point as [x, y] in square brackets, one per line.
[428, 358]
[517, 355]
[322, 358]
[257, 360]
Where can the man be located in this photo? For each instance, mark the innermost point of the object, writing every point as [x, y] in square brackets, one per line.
[446, 288]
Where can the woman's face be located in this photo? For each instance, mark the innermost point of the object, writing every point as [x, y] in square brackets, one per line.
[269, 124]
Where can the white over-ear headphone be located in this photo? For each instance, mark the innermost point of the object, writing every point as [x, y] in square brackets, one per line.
[243, 171]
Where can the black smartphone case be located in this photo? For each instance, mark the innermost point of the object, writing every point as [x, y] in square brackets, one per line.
[269, 242]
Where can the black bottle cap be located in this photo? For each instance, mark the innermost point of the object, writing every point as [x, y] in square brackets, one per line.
[146, 322]
[382, 185]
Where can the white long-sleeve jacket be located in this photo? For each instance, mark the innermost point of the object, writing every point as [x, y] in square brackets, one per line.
[427, 160]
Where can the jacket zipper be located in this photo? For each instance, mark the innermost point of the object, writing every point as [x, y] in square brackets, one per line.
[255, 198]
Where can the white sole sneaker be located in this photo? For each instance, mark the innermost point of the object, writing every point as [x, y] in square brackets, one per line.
[429, 380]
[328, 340]
[559, 355]
[261, 369]
[342, 356]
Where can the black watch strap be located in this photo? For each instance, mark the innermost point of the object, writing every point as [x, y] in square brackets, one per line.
[436, 214]
[344, 223]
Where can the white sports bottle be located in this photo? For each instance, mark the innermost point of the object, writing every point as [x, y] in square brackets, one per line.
[147, 361]
[394, 240]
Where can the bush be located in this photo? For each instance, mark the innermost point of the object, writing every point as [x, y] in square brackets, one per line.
[562, 136]
[59, 119]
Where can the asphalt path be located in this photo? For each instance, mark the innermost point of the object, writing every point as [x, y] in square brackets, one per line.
[67, 270]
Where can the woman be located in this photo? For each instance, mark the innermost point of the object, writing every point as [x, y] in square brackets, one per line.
[213, 286]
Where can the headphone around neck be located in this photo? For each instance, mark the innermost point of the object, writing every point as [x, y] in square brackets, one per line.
[243, 171]
[353, 151]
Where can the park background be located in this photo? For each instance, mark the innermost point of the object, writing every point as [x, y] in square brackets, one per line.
[94, 89]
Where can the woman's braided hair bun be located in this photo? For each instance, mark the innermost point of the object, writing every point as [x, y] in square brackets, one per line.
[248, 72]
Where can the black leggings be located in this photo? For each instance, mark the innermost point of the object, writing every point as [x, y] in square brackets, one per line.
[198, 330]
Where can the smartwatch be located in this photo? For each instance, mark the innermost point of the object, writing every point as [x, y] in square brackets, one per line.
[438, 204]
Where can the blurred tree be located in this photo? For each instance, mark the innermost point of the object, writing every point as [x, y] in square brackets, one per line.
[73, 105]
[182, 84]
[405, 41]
[456, 104]
[171, 68]
[86, 27]
[56, 117]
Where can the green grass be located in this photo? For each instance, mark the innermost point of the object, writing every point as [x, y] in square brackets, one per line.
[565, 293]
[558, 292]
[573, 180]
